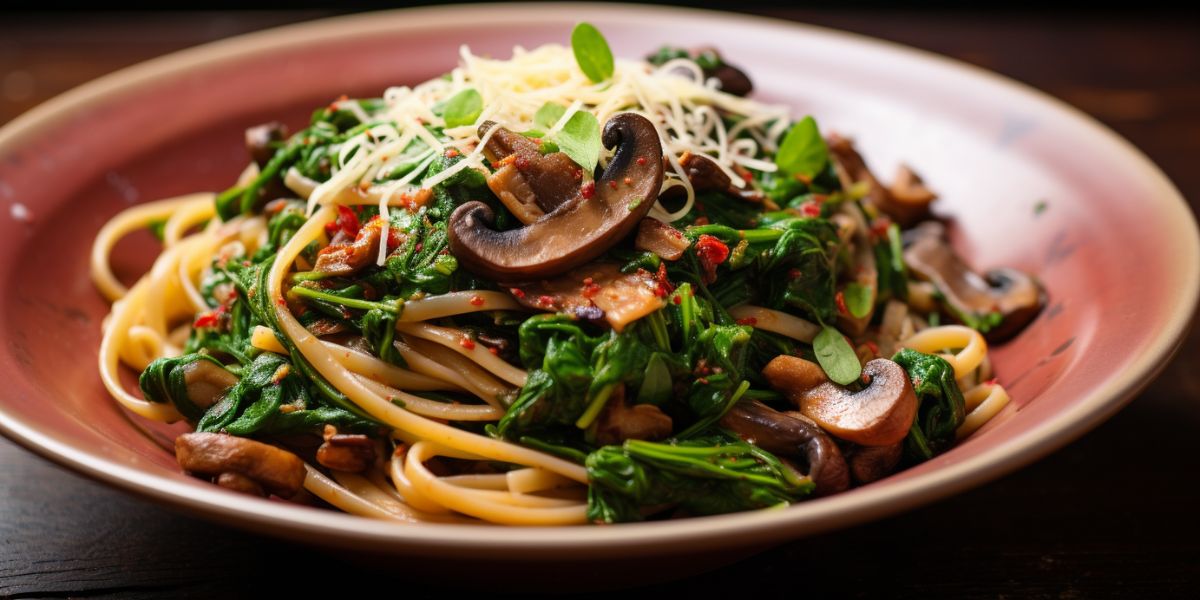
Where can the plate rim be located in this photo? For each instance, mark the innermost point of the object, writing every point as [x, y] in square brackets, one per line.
[758, 527]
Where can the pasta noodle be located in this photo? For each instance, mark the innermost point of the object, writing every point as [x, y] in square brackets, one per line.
[532, 360]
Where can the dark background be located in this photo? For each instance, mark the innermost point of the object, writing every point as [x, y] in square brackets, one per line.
[1113, 514]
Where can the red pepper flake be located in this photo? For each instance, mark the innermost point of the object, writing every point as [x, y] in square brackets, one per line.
[517, 292]
[664, 286]
[703, 380]
[628, 181]
[521, 162]
[641, 160]
[476, 300]
[702, 220]
[751, 321]
[794, 273]
[418, 247]
[545, 300]
[588, 190]
[711, 252]
[452, 153]
[872, 346]
[280, 301]
[210, 319]
[991, 381]
[347, 221]
[467, 343]
[840, 299]
[612, 184]
[677, 299]
[747, 176]
[493, 350]
[879, 227]
[810, 209]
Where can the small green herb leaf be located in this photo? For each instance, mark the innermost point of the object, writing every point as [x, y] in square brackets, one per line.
[580, 140]
[836, 356]
[548, 115]
[803, 151]
[463, 108]
[592, 52]
[858, 299]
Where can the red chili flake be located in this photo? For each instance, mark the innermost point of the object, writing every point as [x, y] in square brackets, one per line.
[810, 209]
[418, 247]
[395, 238]
[467, 343]
[246, 263]
[588, 190]
[702, 221]
[452, 153]
[476, 301]
[612, 184]
[545, 300]
[703, 380]
[879, 227]
[794, 273]
[348, 221]
[521, 162]
[711, 252]
[493, 350]
[664, 286]
[641, 160]
[840, 299]
[677, 299]
[518, 292]
[991, 381]
[280, 301]
[751, 321]
[211, 318]
[747, 176]
[628, 181]
[873, 347]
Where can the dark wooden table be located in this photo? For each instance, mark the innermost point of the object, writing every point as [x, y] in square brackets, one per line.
[1113, 514]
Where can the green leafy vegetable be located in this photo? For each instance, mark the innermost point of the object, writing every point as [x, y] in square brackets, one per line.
[836, 356]
[711, 475]
[579, 137]
[592, 52]
[941, 408]
[463, 108]
[803, 151]
[858, 299]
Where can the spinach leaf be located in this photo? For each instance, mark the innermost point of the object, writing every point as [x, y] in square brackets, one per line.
[803, 151]
[463, 108]
[941, 408]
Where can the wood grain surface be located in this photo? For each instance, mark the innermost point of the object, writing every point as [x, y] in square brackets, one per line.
[1113, 514]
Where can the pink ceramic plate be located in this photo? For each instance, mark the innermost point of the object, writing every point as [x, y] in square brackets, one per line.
[1115, 244]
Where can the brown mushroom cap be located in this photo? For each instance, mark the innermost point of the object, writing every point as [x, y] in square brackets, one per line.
[579, 229]
[1016, 296]
[790, 435]
[879, 415]
[532, 184]
[906, 201]
[277, 471]
[872, 463]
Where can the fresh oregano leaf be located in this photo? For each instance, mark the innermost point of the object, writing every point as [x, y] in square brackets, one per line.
[592, 52]
[836, 356]
[803, 151]
[463, 108]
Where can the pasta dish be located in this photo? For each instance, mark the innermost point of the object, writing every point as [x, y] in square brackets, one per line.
[558, 288]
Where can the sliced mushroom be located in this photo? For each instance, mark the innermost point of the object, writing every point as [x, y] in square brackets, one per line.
[260, 140]
[662, 239]
[346, 452]
[872, 463]
[733, 80]
[1017, 297]
[597, 291]
[790, 435]
[212, 454]
[619, 421]
[879, 415]
[529, 183]
[579, 228]
[240, 483]
[206, 382]
[706, 176]
[343, 258]
[906, 201]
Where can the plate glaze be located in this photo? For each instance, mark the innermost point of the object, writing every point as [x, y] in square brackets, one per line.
[993, 149]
